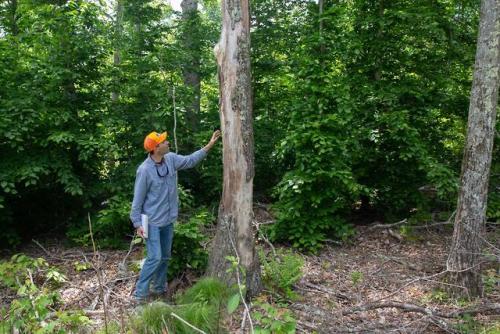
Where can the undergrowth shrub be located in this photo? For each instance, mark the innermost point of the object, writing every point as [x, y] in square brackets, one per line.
[187, 249]
[270, 319]
[110, 225]
[281, 271]
[36, 306]
[308, 212]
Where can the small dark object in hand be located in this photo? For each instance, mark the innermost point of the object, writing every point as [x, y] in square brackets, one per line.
[216, 128]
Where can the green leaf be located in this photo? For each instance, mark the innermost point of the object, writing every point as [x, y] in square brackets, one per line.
[233, 303]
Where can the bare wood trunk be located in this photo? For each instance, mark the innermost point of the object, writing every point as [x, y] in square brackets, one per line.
[191, 69]
[234, 230]
[463, 260]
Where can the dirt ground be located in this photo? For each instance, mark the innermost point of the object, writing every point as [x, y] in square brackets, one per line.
[378, 282]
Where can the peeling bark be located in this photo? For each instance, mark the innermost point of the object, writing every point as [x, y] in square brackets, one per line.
[463, 260]
[235, 211]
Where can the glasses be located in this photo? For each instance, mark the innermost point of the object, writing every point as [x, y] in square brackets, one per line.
[158, 170]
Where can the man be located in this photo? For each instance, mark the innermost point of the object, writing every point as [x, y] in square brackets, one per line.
[155, 195]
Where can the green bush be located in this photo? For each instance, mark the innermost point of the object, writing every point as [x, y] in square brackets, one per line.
[187, 249]
[307, 216]
[319, 187]
[35, 309]
[270, 319]
[110, 225]
[281, 271]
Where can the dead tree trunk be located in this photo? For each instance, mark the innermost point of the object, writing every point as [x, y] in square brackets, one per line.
[463, 260]
[234, 231]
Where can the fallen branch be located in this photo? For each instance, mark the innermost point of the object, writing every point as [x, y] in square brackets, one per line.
[395, 235]
[123, 264]
[493, 308]
[401, 222]
[403, 306]
[412, 282]
[327, 290]
[43, 248]
[406, 307]
[263, 236]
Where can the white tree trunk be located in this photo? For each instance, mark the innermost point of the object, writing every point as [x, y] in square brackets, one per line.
[463, 260]
[234, 230]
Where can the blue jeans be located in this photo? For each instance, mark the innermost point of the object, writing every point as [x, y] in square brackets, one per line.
[154, 269]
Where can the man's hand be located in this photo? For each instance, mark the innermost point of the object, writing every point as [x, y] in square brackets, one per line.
[215, 136]
[213, 140]
[140, 231]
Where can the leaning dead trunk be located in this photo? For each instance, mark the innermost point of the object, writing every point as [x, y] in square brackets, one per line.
[234, 231]
[464, 257]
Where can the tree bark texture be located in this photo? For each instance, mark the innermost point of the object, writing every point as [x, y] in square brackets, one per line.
[191, 68]
[234, 231]
[463, 260]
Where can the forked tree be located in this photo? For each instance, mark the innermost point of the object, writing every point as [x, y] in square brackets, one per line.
[234, 235]
[468, 235]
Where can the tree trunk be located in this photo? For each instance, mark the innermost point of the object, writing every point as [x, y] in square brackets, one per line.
[380, 32]
[320, 15]
[191, 69]
[463, 260]
[13, 18]
[234, 231]
[117, 52]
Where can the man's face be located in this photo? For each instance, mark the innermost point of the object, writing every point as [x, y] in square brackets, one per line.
[163, 147]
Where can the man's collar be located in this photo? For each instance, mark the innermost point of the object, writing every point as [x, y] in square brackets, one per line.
[153, 161]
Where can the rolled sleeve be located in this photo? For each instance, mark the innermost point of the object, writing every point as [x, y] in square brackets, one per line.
[140, 188]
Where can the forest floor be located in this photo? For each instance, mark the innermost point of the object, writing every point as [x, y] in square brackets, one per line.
[378, 282]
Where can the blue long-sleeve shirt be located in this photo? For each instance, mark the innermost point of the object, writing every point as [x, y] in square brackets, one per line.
[155, 189]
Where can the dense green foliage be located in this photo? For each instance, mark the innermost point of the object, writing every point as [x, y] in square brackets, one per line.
[374, 111]
[189, 249]
[357, 109]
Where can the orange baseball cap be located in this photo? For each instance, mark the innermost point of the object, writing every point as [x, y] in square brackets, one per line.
[153, 139]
